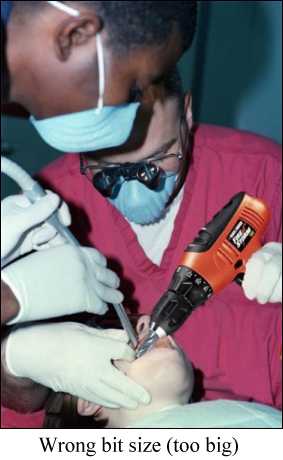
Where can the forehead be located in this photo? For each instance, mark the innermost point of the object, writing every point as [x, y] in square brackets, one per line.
[163, 126]
[148, 137]
[165, 118]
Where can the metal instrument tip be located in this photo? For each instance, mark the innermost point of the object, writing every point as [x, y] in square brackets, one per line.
[147, 344]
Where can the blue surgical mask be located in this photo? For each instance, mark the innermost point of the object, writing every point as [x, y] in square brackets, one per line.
[141, 205]
[6, 9]
[89, 130]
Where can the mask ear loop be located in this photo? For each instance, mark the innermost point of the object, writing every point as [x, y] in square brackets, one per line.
[65, 8]
[101, 71]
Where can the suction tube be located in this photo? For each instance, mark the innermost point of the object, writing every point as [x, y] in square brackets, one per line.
[35, 192]
[18, 174]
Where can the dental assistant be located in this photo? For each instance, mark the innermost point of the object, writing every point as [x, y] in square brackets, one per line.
[77, 71]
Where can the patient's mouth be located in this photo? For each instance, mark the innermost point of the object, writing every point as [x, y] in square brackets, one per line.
[142, 332]
[164, 342]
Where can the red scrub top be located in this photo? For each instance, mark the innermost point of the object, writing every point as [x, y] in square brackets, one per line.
[234, 344]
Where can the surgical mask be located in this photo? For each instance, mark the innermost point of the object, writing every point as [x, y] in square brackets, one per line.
[6, 9]
[140, 190]
[93, 129]
[141, 205]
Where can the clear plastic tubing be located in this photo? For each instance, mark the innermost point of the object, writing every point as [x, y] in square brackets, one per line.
[34, 192]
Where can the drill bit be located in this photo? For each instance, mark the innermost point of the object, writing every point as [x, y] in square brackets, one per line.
[147, 344]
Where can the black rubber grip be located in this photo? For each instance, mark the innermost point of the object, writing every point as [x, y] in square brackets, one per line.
[186, 292]
[209, 234]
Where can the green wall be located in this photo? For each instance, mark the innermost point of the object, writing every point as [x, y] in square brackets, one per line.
[27, 149]
[235, 67]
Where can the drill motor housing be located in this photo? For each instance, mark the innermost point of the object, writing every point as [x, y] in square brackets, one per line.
[215, 258]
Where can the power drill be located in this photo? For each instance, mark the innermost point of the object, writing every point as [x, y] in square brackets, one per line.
[215, 258]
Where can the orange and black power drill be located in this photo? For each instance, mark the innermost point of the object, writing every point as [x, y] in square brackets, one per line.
[216, 257]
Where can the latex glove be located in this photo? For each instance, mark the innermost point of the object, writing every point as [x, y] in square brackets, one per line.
[263, 277]
[22, 223]
[75, 359]
[61, 281]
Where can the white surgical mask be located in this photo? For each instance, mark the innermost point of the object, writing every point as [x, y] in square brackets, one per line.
[93, 129]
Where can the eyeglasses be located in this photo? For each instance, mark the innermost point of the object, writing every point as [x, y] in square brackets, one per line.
[109, 184]
[109, 179]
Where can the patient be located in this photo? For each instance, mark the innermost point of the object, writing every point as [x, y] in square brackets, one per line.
[166, 373]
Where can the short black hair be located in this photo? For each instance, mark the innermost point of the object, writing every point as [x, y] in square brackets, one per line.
[133, 24]
[144, 23]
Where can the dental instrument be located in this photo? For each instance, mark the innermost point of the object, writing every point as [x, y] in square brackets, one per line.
[34, 192]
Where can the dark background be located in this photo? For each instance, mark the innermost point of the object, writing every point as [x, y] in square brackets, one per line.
[234, 70]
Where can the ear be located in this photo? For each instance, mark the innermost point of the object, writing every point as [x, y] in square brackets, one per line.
[87, 408]
[75, 32]
[188, 109]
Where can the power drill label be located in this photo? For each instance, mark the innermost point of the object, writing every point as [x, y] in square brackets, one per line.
[241, 234]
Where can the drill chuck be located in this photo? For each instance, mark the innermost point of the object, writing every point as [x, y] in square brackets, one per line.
[187, 291]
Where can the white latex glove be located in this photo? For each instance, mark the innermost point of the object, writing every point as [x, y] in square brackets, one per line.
[75, 359]
[61, 281]
[22, 223]
[263, 277]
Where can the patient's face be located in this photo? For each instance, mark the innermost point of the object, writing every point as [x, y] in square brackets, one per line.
[164, 371]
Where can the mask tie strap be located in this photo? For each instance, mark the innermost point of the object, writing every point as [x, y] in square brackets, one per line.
[101, 71]
[67, 9]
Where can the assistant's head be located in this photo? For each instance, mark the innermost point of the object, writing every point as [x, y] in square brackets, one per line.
[162, 137]
[52, 56]
[164, 371]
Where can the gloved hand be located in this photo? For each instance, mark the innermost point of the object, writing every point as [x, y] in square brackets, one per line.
[61, 281]
[75, 359]
[263, 277]
[22, 223]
